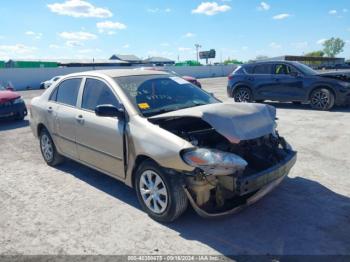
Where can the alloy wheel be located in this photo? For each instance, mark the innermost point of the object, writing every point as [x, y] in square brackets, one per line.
[153, 191]
[320, 100]
[47, 148]
[242, 95]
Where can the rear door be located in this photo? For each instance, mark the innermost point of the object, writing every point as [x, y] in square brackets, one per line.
[62, 108]
[100, 139]
[262, 79]
[288, 83]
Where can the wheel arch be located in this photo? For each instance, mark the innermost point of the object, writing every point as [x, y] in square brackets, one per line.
[322, 86]
[241, 84]
[138, 161]
[39, 128]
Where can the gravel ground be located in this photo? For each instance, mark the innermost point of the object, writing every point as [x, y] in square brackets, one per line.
[75, 210]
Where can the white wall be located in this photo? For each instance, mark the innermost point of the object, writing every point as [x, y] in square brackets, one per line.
[23, 78]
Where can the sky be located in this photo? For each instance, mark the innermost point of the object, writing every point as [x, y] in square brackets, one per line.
[236, 29]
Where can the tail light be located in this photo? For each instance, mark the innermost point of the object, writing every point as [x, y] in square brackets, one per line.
[230, 76]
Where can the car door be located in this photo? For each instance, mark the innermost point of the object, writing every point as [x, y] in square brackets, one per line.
[262, 81]
[99, 139]
[288, 83]
[62, 111]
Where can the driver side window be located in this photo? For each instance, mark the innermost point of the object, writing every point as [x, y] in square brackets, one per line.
[283, 69]
[97, 93]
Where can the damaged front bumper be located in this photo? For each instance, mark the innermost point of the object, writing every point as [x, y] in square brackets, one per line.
[261, 183]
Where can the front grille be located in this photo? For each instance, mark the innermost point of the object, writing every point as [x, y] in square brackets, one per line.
[6, 104]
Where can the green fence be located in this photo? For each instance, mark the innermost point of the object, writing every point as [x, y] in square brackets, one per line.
[30, 64]
[2, 64]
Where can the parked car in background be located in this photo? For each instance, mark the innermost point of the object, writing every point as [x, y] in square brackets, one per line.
[171, 141]
[287, 82]
[190, 79]
[11, 105]
[46, 84]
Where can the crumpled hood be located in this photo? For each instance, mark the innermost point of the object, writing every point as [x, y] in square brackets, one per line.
[235, 121]
[6, 96]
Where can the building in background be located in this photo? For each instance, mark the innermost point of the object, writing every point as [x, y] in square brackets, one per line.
[132, 59]
[312, 61]
[158, 61]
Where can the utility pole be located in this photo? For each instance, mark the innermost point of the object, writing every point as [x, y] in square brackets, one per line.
[197, 46]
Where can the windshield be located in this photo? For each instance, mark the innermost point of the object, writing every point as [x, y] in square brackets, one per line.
[306, 70]
[156, 94]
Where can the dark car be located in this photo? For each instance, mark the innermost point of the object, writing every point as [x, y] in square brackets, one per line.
[11, 105]
[288, 82]
[190, 79]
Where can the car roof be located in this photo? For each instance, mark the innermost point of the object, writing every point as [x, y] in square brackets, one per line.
[270, 62]
[118, 73]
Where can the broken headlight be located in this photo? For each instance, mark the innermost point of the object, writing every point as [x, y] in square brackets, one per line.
[214, 162]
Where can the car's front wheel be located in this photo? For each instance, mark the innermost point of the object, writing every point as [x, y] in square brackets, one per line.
[160, 194]
[322, 99]
[243, 94]
[48, 149]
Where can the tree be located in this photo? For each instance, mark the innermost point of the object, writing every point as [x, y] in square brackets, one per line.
[315, 54]
[333, 46]
[232, 61]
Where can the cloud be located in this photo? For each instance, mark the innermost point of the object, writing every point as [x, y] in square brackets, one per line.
[281, 16]
[300, 45]
[79, 8]
[210, 8]
[77, 36]
[33, 34]
[321, 41]
[54, 46]
[165, 44]
[158, 10]
[275, 45]
[17, 49]
[110, 27]
[126, 46]
[264, 6]
[189, 34]
[332, 12]
[73, 43]
[184, 49]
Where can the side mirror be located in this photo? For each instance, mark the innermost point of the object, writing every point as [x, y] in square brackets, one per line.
[110, 111]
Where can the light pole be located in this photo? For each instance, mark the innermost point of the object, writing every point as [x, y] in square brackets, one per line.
[197, 50]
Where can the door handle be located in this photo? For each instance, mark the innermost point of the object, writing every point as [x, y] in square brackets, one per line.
[49, 109]
[277, 79]
[80, 119]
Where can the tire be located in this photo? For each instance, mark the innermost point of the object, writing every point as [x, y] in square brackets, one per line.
[164, 201]
[243, 95]
[48, 149]
[322, 99]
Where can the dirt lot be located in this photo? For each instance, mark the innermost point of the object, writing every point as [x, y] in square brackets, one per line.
[75, 210]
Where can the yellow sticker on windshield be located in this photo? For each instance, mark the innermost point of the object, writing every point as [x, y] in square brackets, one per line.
[143, 106]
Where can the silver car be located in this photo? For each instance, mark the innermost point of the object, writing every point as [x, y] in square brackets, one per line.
[170, 140]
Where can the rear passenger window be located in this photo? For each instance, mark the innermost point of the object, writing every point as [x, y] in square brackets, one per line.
[67, 92]
[263, 69]
[97, 93]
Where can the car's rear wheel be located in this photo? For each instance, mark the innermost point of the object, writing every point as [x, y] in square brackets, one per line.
[48, 149]
[160, 194]
[322, 99]
[243, 95]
